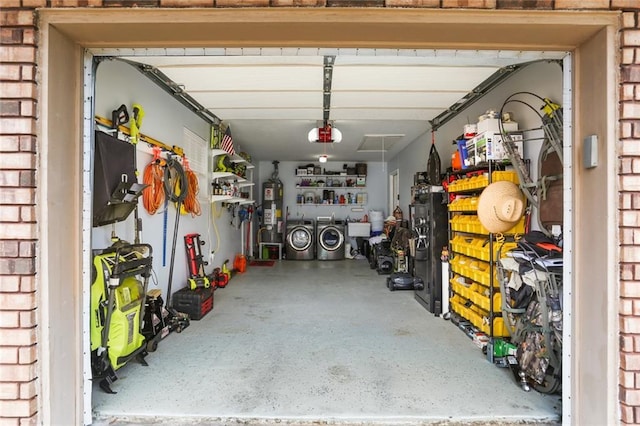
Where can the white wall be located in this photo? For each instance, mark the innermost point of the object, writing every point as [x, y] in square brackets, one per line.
[165, 119]
[543, 79]
[376, 189]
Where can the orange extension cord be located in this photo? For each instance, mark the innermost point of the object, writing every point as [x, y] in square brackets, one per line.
[153, 195]
[191, 203]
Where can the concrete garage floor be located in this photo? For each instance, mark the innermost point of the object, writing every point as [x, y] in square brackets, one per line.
[318, 341]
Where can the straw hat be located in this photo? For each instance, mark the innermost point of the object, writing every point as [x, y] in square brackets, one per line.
[500, 206]
[390, 219]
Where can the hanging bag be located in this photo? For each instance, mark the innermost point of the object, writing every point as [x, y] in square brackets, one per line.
[433, 164]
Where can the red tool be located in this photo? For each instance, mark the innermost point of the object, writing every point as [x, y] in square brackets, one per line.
[197, 276]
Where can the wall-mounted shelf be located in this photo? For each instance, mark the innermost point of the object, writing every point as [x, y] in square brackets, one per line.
[235, 158]
[228, 176]
[233, 182]
[330, 187]
[230, 199]
[332, 176]
[331, 205]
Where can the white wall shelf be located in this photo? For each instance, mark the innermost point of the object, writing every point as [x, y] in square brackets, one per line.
[330, 205]
[235, 158]
[329, 187]
[237, 182]
[228, 176]
[230, 199]
[330, 176]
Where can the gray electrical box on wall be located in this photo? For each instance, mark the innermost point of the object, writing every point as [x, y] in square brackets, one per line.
[590, 152]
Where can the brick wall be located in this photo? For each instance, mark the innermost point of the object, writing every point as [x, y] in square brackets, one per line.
[629, 307]
[18, 179]
[18, 106]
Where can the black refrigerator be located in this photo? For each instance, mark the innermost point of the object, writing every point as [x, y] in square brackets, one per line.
[430, 232]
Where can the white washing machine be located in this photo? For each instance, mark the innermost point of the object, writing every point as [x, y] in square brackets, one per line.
[300, 240]
[330, 239]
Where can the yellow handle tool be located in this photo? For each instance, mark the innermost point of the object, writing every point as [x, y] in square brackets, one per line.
[136, 122]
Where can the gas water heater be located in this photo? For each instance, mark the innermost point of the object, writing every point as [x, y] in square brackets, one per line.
[272, 220]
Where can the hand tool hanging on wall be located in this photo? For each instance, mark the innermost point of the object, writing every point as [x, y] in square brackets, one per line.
[119, 117]
[138, 113]
[136, 122]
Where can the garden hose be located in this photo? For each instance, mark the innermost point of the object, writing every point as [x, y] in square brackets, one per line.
[176, 187]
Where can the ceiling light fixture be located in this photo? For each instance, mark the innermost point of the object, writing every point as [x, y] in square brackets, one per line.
[322, 159]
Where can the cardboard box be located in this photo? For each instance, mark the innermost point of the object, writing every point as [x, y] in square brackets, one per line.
[488, 146]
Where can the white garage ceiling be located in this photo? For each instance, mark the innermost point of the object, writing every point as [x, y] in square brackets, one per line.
[381, 100]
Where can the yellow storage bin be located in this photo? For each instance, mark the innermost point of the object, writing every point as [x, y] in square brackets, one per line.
[475, 318]
[455, 223]
[508, 175]
[472, 204]
[457, 205]
[499, 329]
[467, 247]
[476, 248]
[482, 181]
[473, 183]
[458, 244]
[453, 306]
[517, 229]
[459, 288]
[476, 298]
[482, 276]
[456, 185]
[455, 286]
[455, 299]
[482, 301]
